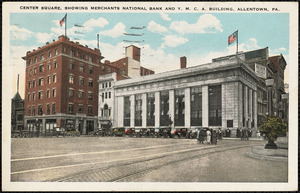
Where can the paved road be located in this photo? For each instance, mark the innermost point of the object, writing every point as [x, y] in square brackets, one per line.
[123, 159]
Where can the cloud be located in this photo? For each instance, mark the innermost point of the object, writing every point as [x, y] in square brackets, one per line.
[206, 23]
[17, 33]
[45, 37]
[173, 41]
[156, 28]
[92, 23]
[165, 16]
[117, 31]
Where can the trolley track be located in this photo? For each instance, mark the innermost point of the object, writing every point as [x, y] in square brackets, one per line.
[131, 170]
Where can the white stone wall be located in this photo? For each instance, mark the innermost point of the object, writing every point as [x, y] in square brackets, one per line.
[230, 104]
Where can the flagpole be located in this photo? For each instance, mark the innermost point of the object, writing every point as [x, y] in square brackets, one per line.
[237, 42]
[66, 26]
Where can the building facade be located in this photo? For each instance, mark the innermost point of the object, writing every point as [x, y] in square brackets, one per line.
[219, 95]
[17, 113]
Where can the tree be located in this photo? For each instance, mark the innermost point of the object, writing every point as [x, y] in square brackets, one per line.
[272, 128]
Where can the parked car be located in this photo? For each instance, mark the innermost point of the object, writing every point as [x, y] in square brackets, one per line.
[143, 132]
[192, 133]
[163, 132]
[150, 132]
[178, 132]
[58, 131]
[72, 132]
[118, 131]
[130, 132]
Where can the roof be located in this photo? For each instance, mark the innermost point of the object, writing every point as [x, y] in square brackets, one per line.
[17, 97]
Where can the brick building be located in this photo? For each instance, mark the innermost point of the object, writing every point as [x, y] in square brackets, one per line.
[61, 86]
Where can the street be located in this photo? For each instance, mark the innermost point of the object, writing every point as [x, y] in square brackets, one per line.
[124, 159]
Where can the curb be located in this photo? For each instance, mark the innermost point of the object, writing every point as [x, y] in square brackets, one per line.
[268, 158]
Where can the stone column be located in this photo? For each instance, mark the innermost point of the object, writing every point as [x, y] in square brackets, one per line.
[157, 109]
[43, 125]
[250, 108]
[144, 110]
[240, 105]
[224, 87]
[132, 110]
[95, 125]
[84, 127]
[187, 110]
[246, 105]
[205, 106]
[77, 124]
[172, 106]
[119, 112]
[255, 108]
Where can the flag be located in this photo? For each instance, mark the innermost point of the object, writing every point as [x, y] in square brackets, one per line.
[61, 22]
[232, 38]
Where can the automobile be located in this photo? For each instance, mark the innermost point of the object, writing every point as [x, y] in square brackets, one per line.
[192, 133]
[143, 132]
[150, 132]
[118, 131]
[137, 132]
[163, 132]
[58, 131]
[72, 132]
[178, 132]
[130, 132]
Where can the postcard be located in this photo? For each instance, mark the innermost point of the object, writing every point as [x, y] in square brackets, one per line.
[150, 96]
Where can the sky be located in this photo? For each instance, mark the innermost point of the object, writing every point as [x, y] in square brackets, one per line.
[165, 37]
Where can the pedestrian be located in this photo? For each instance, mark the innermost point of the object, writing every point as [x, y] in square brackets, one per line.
[214, 137]
[258, 134]
[246, 135]
[238, 133]
[208, 136]
[250, 133]
[242, 134]
[220, 134]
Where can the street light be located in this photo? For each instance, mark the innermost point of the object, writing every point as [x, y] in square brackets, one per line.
[269, 84]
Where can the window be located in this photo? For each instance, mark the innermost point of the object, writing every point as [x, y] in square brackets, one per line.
[41, 82]
[72, 65]
[90, 83]
[91, 70]
[20, 117]
[33, 110]
[40, 94]
[48, 93]
[28, 111]
[48, 79]
[80, 94]
[150, 109]
[48, 109]
[29, 72]
[71, 92]
[34, 70]
[164, 108]
[28, 97]
[109, 69]
[54, 92]
[138, 110]
[109, 95]
[29, 61]
[80, 109]
[106, 85]
[55, 52]
[103, 68]
[215, 105]
[106, 95]
[64, 50]
[54, 64]
[49, 65]
[81, 68]
[53, 108]
[81, 81]
[42, 57]
[54, 78]
[90, 111]
[35, 60]
[122, 72]
[179, 107]
[29, 84]
[196, 106]
[109, 84]
[71, 79]
[90, 96]
[127, 111]
[90, 59]
[41, 68]
[33, 96]
[71, 109]
[50, 54]
[72, 53]
[102, 85]
[33, 83]
[40, 110]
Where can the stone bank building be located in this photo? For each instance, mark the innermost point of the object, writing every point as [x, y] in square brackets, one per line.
[221, 94]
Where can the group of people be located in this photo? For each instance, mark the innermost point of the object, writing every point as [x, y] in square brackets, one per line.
[209, 136]
[243, 133]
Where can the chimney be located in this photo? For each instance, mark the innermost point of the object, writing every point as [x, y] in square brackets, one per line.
[183, 62]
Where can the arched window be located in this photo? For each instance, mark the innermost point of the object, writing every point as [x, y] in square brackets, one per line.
[106, 110]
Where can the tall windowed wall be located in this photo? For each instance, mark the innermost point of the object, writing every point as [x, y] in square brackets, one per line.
[138, 110]
[196, 106]
[164, 108]
[215, 105]
[179, 107]
[150, 109]
[126, 111]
